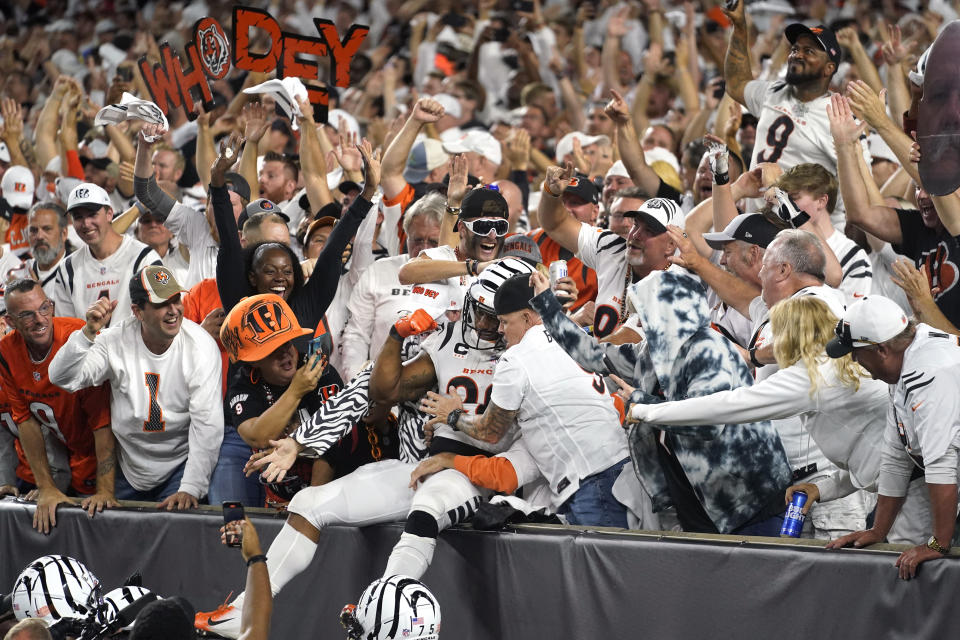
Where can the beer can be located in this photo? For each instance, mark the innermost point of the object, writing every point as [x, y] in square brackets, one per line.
[793, 520]
[558, 269]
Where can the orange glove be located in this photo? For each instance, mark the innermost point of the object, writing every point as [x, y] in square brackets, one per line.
[413, 324]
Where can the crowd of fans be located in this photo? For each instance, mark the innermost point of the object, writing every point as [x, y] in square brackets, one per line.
[726, 186]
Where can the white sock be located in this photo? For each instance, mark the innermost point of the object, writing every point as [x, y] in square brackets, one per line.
[411, 556]
[290, 554]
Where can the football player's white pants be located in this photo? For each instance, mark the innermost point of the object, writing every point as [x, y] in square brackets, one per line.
[444, 499]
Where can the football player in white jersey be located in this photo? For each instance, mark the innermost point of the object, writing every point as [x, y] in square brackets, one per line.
[570, 424]
[102, 268]
[617, 263]
[460, 358]
[922, 367]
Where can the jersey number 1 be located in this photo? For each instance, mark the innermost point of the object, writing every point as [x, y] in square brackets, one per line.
[154, 421]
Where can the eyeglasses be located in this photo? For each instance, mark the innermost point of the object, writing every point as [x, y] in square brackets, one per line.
[29, 318]
[484, 226]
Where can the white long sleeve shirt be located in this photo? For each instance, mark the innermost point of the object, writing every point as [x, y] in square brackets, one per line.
[846, 425]
[164, 408]
[377, 301]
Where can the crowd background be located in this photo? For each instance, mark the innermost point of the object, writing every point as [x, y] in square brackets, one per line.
[637, 118]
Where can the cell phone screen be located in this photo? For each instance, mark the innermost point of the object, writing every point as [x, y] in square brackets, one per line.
[233, 511]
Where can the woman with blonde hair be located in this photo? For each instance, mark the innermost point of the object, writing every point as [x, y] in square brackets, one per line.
[843, 411]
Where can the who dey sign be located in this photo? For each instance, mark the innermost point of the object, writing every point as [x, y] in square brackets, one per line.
[209, 55]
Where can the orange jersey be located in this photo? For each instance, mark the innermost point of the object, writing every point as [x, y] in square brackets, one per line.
[17, 234]
[585, 277]
[70, 417]
[404, 198]
[200, 301]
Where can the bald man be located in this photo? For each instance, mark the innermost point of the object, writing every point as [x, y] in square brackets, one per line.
[516, 210]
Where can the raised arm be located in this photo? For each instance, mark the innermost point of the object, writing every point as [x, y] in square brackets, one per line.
[848, 38]
[313, 165]
[881, 221]
[559, 224]
[869, 106]
[395, 157]
[229, 259]
[610, 54]
[737, 69]
[629, 146]
[895, 54]
[257, 121]
[144, 184]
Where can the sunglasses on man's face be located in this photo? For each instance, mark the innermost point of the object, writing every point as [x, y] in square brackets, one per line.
[483, 226]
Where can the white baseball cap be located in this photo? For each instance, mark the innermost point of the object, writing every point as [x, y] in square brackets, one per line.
[868, 321]
[879, 149]
[477, 141]
[18, 186]
[425, 156]
[451, 106]
[657, 213]
[87, 194]
[617, 169]
[565, 145]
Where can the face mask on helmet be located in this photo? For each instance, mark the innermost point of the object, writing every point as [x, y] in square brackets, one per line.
[119, 608]
[479, 321]
[394, 607]
[59, 590]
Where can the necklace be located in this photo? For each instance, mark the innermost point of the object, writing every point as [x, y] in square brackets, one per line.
[624, 312]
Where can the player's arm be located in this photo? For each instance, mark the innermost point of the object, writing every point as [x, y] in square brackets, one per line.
[495, 473]
[258, 603]
[31, 439]
[737, 69]
[392, 382]
[559, 224]
[105, 444]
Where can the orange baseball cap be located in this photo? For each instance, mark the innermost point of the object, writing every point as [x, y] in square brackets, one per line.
[258, 325]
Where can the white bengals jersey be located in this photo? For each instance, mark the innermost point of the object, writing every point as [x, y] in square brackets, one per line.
[789, 131]
[606, 253]
[82, 279]
[467, 372]
[857, 270]
[569, 422]
[164, 408]
[925, 420]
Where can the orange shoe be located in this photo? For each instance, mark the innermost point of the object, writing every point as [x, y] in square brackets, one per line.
[223, 623]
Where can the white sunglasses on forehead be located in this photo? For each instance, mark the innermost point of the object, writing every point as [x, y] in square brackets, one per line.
[486, 226]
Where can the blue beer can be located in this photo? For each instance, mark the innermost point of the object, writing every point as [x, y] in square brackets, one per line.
[793, 520]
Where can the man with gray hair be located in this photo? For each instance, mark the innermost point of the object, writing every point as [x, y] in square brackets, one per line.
[47, 229]
[379, 299]
[793, 265]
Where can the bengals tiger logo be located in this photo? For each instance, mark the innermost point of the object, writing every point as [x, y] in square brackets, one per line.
[214, 50]
[162, 277]
[263, 321]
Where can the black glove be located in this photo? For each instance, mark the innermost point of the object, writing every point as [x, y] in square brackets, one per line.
[788, 210]
[719, 162]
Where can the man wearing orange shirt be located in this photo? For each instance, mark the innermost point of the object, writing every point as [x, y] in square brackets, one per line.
[42, 410]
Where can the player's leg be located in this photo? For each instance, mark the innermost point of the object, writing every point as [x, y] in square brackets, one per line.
[374, 493]
[444, 499]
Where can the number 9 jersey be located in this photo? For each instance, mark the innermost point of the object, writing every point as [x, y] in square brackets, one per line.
[70, 418]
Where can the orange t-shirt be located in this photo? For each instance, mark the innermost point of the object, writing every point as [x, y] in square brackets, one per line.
[70, 417]
[197, 304]
[584, 276]
[404, 198]
[17, 233]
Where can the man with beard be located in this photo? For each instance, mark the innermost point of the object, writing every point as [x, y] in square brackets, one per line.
[792, 126]
[920, 237]
[47, 234]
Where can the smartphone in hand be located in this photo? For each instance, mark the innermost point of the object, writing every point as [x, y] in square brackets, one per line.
[233, 511]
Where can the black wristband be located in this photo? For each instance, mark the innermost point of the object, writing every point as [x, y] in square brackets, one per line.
[721, 178]
[255, 559]
[452, 418]
[753, 357]
[395, 334]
